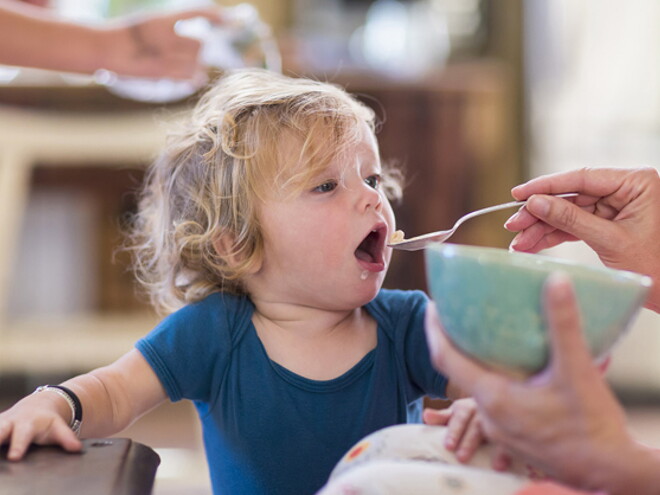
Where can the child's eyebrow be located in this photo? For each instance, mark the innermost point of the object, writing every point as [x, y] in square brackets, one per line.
[326, 173]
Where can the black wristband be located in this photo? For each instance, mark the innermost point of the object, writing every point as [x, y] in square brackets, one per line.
[74, 400]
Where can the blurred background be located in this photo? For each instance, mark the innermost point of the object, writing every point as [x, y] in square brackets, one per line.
[474, 96]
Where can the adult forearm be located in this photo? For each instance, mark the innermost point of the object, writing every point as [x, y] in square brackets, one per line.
[637, 471]
[32, 37]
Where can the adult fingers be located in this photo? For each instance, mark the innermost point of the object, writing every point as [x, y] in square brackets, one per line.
[598, 182]
[570, 356]
[520, 220]
[446, 358]
[565, 216]
[470, 377]
[523, 219]
[538, 239]
[528, 238]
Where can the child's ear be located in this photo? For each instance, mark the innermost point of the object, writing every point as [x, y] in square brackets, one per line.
[224, 247]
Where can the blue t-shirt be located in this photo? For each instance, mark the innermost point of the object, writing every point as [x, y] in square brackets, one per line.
[267, 429]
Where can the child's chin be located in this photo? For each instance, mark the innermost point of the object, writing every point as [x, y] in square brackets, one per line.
[369, 291]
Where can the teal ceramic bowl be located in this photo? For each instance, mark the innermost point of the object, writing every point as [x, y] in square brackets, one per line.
[489, 302]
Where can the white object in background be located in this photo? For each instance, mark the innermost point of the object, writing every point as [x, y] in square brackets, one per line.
[594, 99]
[55, 272]
[403, 39]
[80, 10]
[244, 41]
[8, 73]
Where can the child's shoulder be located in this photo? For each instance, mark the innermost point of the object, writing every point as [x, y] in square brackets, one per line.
[393, 305]
[216, 310]
[398, 299]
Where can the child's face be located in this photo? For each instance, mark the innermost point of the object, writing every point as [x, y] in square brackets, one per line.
[326, 246]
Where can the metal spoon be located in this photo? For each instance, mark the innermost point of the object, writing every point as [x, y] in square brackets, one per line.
[420, 242]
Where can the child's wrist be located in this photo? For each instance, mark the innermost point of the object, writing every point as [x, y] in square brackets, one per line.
[51, 403]
[72, 413]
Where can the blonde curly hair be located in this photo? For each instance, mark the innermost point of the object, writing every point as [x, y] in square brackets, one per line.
[214, 169]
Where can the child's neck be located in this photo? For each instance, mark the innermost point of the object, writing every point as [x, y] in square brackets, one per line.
[314, 343]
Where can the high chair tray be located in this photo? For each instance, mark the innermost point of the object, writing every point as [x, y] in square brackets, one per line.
[111, 466]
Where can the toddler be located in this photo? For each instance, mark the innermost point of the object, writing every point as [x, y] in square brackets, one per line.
[262, 232]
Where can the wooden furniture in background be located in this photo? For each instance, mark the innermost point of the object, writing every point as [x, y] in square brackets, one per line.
[450, 130]
[28, 138]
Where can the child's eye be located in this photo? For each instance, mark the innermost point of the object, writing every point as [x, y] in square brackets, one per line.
[326, 187]
[373, 180]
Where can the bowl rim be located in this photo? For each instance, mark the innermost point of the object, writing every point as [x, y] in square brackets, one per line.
[447, 249]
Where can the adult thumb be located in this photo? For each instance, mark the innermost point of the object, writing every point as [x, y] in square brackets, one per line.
[570, 355]
[566, 216]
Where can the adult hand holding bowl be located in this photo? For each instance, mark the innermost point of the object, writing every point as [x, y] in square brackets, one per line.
[489, 303]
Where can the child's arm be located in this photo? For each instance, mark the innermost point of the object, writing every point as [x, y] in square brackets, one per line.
[112, 398]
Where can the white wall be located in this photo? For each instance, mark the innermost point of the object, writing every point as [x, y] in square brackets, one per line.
[593, 78]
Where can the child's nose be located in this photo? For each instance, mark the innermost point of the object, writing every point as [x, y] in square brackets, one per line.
[370, 198]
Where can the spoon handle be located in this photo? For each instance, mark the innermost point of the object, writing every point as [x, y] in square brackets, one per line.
[419, 242]
[503, 206]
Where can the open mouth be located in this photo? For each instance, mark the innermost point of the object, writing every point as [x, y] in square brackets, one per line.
[371, 248]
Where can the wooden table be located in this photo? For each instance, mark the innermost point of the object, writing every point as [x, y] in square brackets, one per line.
[113, 466]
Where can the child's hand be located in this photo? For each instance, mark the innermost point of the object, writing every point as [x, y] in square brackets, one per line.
[464, 434]
[37, 419]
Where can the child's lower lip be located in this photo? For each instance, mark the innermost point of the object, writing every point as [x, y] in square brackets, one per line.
[372, 266]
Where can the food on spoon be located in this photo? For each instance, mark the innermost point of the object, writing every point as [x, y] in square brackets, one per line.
[397, 236]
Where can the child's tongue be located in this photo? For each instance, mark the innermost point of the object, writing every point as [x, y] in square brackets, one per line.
[364, 255]
[365, 251]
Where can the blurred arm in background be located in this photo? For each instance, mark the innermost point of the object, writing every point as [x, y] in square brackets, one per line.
[141, 46]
